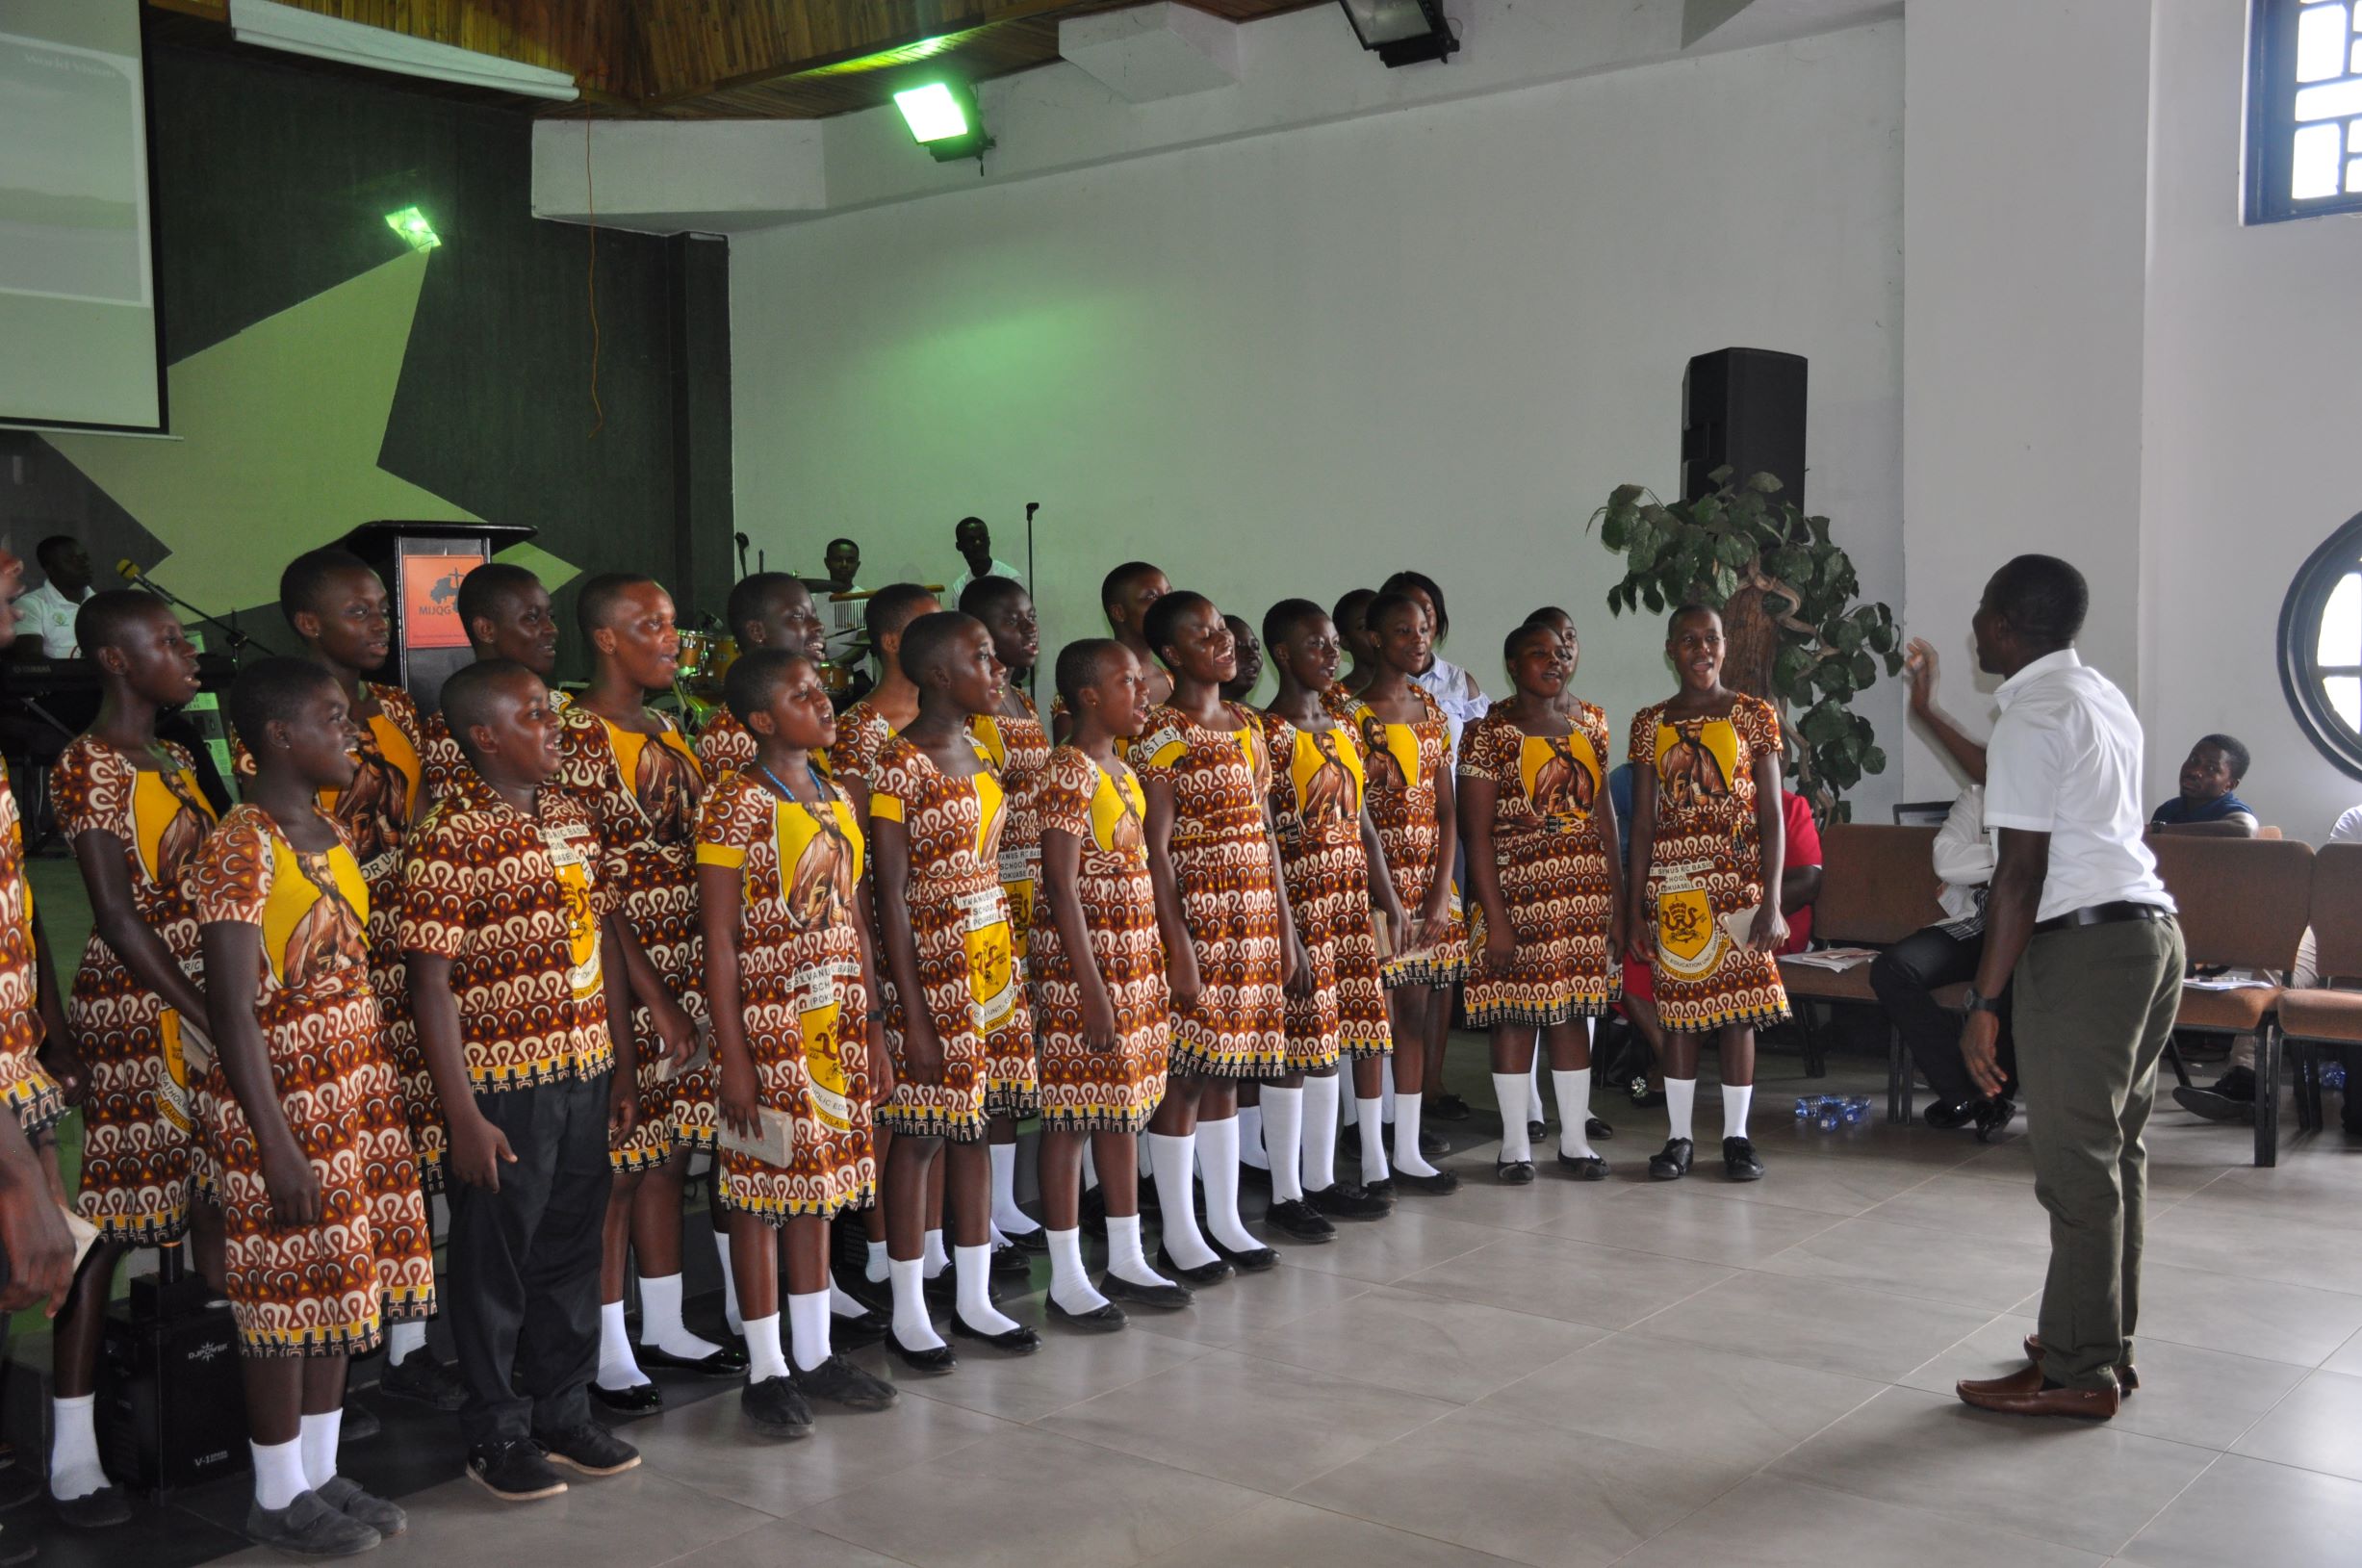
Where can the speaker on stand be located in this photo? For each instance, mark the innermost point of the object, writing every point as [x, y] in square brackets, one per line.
[1744, 409]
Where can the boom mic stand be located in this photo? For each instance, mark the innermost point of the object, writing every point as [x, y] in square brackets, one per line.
[240, 644]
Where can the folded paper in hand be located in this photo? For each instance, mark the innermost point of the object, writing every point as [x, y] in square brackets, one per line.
[774, 1143]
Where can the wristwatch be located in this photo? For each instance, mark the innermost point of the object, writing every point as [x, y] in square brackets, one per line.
[1978, 1003]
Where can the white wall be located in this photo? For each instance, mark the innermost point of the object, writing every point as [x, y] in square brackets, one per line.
[1287, 365]
[2025, 207]
[2252, 412]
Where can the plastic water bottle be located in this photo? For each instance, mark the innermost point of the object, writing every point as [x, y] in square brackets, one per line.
[1857, 1110]
[2333, 1075]
[1831, 1118]
[1803, 1107]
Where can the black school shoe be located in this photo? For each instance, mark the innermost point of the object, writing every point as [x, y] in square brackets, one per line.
[934, 1363]
[422, 1379]
[1246, 1260]
[1433, 1144]
[1586, 1168]
[360, 1423]
[102, 1509]
[1672, 1162]
[1513, 1172]
[514, 1471]
[726, 1361]
[1301, 1221]
[1168, 1297]
[1738, 1161]
[1596, 1130]
[1436, 1186]
[1447, 1108]
[1104, 1319]
[590, 1449]
[1345, 1200]
[840, 1381]
[1994, 1118]
[1011, 1260]
[639, 1399]
[853, 1333]
[309, 1528]
[1017, 1341]
[1211, 1273]
[775, 1409]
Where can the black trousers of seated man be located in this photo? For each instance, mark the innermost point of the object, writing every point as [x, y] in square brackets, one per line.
[1907, 976]
[523, 1265]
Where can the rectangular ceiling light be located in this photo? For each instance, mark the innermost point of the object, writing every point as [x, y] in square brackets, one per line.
[933, 113]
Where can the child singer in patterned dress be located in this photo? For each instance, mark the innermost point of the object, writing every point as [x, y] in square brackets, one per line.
[1709, 844]
[789, 974]
[1206, 765]
[326, 1224]
[1100, 1006]
[1541, 839]
[1327, 845]
[1407, 741]
[1017, 747]
[954, 999]
[129, 804]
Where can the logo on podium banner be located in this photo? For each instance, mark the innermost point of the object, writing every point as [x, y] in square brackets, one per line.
[430, 600]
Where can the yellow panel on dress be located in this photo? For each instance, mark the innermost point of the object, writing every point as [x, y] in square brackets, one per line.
[1689, 771]
[155, 811]
[1119, 807]
[574, 878]
[989, 739]
[395, 748]
[1561, 775]
[819, 862]
[299, 935]
[1322, 770]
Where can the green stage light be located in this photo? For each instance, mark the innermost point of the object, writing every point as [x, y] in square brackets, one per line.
[412, 225]
[942, 117]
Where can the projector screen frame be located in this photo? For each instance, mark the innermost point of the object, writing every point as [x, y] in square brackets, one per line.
[162, 427]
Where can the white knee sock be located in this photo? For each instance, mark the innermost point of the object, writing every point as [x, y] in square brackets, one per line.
[74, 1468]
[1125, 1258]
[973, 1265]
[1321, 1096]
[731, 1318]
[317, 1437]
[1217, 1165]
[1369, 1114]
[764, 1359]
[875, 1271]
[403, 1340]
[912, 1325]
[843, 1305]
[1407, 1158]
[1170, 1159]
[807, 1329]
[1680, 1098]
[1516, 1144]
[1574, 1091]
[934, 1257]
[1736, 1099]
[1006, 1215]
[618, 1367]
[1283, 1141]
[660, 1324]
[1533, 1087]
[1386, 1093]
[279, 1472]
[1069, 1286]
[1251, 1148]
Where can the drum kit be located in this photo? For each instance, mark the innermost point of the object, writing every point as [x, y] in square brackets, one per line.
[705, 659]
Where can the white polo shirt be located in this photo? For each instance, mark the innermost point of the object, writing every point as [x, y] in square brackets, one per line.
[49, 615]
[2065, 760]
[959, 584]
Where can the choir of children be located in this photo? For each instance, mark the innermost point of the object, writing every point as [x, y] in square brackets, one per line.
[547, 956]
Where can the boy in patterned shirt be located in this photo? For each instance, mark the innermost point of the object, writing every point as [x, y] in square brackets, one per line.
[517, 980]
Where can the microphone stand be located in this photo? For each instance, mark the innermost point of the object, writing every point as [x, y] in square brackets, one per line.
[239, 641]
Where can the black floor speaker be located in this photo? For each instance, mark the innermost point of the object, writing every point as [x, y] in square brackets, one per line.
[1743, 409]
[169, 1388]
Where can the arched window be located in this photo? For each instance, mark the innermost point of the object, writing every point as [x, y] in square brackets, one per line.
[2321, 648]
[2304, 109]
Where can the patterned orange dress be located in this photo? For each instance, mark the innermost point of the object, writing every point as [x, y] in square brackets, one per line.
[643, 792]
[799, 984]
[1554, 874]
[1318, 782]
[966, 942]
[862, 733]
[1221, 858]
[324, 1289]
[388, 794]
[1705, 869]
[725, 745]
[1405, 761]
[25, 1085]
[139, 1142]
[1018, 750]
[1083, 1090]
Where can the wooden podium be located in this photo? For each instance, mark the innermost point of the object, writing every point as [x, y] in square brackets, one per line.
[422, 564]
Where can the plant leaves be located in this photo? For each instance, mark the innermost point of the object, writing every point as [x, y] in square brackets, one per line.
[1765, 484]
[1824, 724]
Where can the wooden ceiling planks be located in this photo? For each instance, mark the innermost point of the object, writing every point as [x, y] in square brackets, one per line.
[739, 59]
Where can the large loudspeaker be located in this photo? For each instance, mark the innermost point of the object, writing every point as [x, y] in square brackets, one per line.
[1743, 409]
[173, 1402]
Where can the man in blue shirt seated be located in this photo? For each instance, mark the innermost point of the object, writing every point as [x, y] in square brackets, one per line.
[2206, 806]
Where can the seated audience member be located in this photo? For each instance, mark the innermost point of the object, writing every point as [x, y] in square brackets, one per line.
[2231, 1097]
[2206, 806]
[1800, 886]
[1639, 1001]
[45, 615]
[1907, 975]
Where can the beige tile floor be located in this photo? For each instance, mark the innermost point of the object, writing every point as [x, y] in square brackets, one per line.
[1571, 1375]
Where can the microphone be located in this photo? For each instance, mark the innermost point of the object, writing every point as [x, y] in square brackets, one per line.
[128, 570]
[1030, 507]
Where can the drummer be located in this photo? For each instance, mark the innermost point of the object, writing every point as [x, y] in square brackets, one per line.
[846, 647]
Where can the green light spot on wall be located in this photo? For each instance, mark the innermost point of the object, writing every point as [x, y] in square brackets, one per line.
[933, 114]
[412, 225]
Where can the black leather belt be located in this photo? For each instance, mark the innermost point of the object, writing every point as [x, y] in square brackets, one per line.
[2101, 915]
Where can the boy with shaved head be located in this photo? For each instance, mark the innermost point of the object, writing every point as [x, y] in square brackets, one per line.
[770, 609]
[505, 612]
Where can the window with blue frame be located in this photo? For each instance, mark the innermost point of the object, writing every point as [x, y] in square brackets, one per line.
[2304, 109]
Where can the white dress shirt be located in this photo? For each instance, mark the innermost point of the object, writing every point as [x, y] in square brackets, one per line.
[1964, 855]
[1456, 692]
[2065, 760]
[959, 584]
[846, 618]
[49, 615]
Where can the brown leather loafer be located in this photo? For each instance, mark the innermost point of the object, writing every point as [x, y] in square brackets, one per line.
[2022, 1394]
[2126, 1378]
